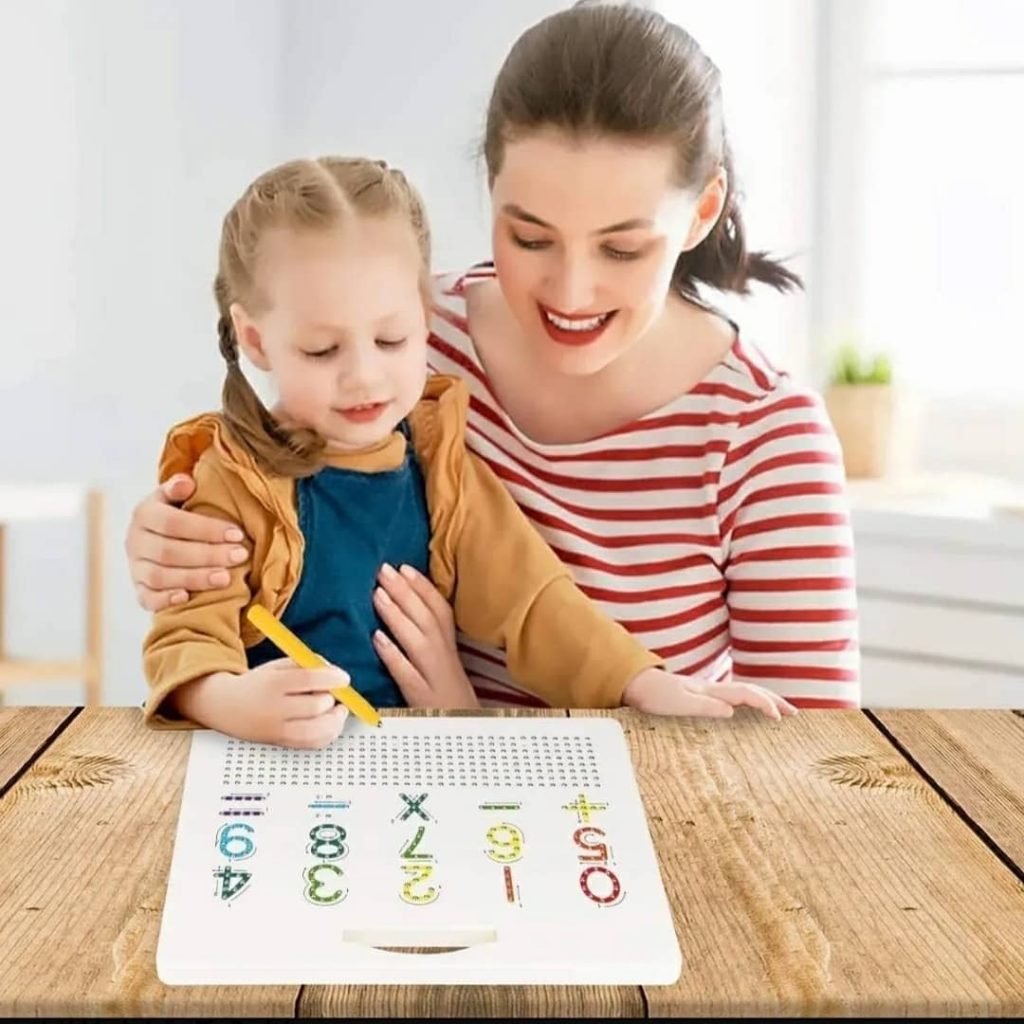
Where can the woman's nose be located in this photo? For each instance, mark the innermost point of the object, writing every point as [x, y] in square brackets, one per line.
[573, 287]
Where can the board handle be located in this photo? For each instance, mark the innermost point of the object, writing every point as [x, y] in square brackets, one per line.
[420, 941]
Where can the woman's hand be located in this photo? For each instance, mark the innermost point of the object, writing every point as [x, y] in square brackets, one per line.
[657, 692]
[427, 667]
[172, 553]
[277, 703]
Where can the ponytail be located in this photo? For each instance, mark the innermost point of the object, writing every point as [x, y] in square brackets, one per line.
[721, 260]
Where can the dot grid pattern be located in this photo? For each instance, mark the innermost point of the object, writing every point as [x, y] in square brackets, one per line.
[520, 761]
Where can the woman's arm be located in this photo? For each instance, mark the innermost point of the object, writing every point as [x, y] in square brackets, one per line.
[173, 553]
[786, 531]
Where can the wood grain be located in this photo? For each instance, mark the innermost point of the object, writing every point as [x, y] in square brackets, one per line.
[86, 837]
[482, 1001]
[23, 733]
[977, 759]
[812, 871]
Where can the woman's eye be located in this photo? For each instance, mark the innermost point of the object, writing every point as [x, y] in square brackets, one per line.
[530, 243]
[322, 353]
[622, 254]
[390, 342]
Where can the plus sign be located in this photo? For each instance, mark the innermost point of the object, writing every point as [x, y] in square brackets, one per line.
[582, 807]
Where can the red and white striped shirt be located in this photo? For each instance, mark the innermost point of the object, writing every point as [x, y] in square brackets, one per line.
[715, 529]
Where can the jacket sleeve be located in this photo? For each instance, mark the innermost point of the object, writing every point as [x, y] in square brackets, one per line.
[203, 635]
[512, 591]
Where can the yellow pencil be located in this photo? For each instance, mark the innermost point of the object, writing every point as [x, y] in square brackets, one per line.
[280, 635]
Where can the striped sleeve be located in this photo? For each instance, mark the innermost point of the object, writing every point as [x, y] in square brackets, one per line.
[788, 544]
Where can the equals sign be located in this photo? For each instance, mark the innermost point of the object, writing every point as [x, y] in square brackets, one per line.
[233, 805]
[319, 805]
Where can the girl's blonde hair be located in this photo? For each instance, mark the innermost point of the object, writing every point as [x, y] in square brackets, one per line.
[302, 195]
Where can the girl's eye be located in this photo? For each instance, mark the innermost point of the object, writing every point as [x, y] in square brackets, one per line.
[530, 243]
[390, 342]
[322, 353]
[622, 254]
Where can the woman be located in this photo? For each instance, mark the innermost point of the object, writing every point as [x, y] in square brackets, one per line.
[692, 489]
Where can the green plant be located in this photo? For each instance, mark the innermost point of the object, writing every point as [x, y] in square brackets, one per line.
[852, 367]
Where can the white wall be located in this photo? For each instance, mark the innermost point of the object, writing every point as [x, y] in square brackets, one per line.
[126, 126]
[136, 123]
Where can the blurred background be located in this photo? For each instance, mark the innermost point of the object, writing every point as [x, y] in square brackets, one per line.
[877, 148]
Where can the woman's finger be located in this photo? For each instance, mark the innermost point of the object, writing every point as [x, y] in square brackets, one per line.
[162, 578]
[157, 600]
[185, 554]
[707, 707]
[413, 685]
[156, 516]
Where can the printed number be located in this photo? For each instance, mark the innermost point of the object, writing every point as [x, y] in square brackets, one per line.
[229, 834]
[506, 843]
[596, 851]
[419, 873]
[407, 850]
[230, 882]
[319, 890]
[328, 842]
[605, 899]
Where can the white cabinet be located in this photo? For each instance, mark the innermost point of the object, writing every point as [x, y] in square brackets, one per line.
[940, 583]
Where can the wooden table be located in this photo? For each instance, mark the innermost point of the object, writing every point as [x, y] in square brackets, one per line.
[841, 863]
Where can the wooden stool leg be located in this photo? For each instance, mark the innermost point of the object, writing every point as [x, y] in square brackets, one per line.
[94, 600]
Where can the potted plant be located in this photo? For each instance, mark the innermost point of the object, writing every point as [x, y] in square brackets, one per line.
[859, 400]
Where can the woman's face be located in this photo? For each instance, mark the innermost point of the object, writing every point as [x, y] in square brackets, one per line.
[586, 234]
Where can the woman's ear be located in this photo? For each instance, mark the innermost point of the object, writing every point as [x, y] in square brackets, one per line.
[250, 341]
[710, 205]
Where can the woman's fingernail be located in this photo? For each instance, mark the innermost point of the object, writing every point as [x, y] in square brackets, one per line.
[238, 555]
[220, 578]
[179, 597]
[408, 572]
[380, 639]
[234, 535]
[382, 596]
[387, 571]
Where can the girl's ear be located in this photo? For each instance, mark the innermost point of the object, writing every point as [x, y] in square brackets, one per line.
[708, 209]
[250, 341]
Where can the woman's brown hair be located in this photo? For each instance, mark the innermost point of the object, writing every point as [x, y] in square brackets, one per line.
[302, 195]
[622, 70]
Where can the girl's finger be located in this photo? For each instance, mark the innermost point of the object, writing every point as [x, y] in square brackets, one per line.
[427, 593]
[412, 684]
[402, 594]
[405, 630]
[307, 705]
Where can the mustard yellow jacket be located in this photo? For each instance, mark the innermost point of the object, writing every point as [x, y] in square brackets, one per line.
[506, 587]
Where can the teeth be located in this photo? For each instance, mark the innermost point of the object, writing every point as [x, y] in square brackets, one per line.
[577, 325]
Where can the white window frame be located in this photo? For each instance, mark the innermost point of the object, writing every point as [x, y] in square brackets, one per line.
[844, 73]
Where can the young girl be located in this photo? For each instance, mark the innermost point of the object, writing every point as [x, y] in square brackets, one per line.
[361, 469]
[694, 491]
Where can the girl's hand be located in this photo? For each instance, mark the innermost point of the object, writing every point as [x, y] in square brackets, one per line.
[277, 703]
[429, 672]
[172, 553]
[657, 692]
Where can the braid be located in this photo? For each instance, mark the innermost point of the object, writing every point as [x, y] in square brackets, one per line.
[282, 451]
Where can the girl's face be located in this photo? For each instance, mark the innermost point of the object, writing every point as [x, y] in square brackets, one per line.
[343, 331]
[586, 234]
